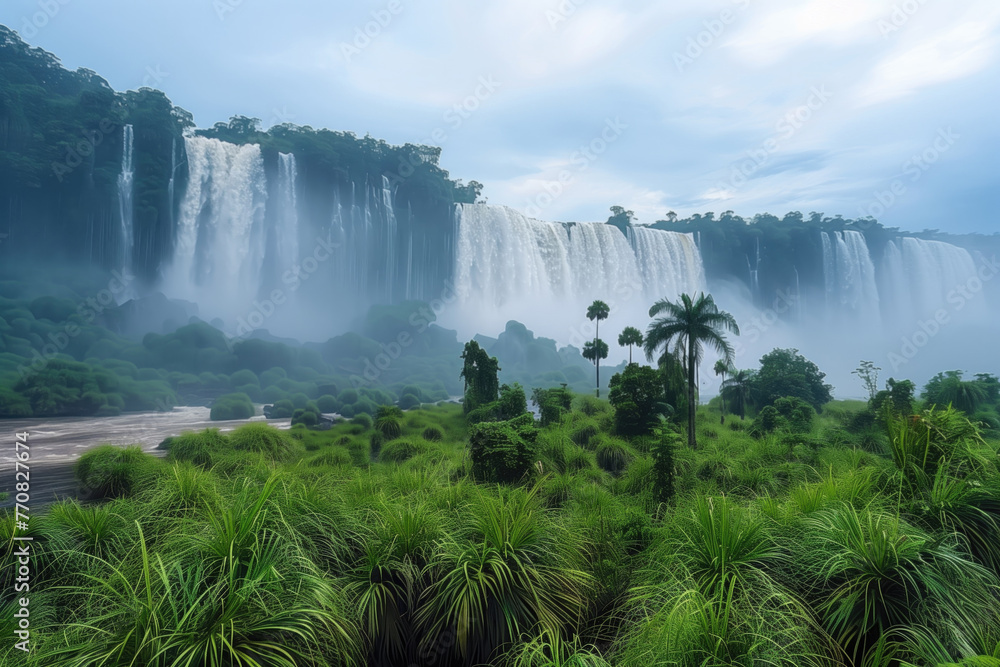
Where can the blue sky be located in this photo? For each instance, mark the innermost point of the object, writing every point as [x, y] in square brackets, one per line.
[565, 107]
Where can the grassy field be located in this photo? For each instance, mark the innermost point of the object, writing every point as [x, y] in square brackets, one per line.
[858, 542]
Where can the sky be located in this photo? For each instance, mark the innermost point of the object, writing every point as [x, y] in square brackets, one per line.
[563, 108]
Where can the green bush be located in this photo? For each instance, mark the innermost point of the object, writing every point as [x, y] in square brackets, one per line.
[584, 433]
[198, 448]
[388, 422]
[503, 452]
[375, 442]
[232, 406]
[283, 409]
[335, 457]
[408, 401]
[433, 434]
[307, 417]
[363, 420]
[114, 472]
[264, 439]
[613, 455]
[398, 451]
[326, 403]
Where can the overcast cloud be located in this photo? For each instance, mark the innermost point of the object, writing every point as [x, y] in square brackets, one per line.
[749, 105]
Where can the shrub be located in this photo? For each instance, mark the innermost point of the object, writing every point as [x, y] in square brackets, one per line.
[638, 398]
[326, 403]
[398, 451]
[348, 396]
[375, 442]
[433, 434]
[333, 457]
[613, 455]
[503, 451]
[591, 405]
[583, 434]
[263, 439]
[663, 467]
[512, 403]
[114, 472]
[552, 403]
[197, 448]
[408, 401]
[232, 406]
[388, 421]
[306, 417]
[363, 420]
[798, 413]
[283, 409]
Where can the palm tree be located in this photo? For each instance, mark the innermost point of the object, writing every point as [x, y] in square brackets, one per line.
[688, 325]
[738, 387]
[630, 336]
[722, 369]
[598, 311]
[594, 351]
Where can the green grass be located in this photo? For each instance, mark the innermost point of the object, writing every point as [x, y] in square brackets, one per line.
[262, 547]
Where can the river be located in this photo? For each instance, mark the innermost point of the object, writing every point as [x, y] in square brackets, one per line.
[56, 443]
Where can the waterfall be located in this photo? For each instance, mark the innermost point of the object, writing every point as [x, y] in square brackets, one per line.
[125, 205]
[170, 183]
[918, 276]
[668, 262]
[287, 229]
[219, 245]
[505, 260]
[849, 276]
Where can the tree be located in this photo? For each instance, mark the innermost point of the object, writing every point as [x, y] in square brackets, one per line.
[503, 451]
[868, 372]
[722, 369]
[737, 388]
[785, 372]
[688, 324]
[630, 336]
[598, 311]
[480, 374]
[552, 403]
[637, 397]
[950, 388]
[899, 392]
[594, 351]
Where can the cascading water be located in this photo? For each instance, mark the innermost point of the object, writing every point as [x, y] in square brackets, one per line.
[287, 228]
[919, 276]
[509, 266]
[219, 246]
[125, 205]
[849, 275]
[170, 183]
